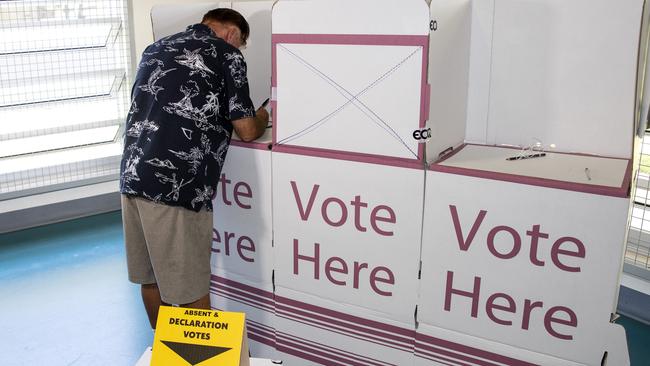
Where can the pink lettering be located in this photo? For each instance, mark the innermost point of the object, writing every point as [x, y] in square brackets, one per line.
[463, 243]
[339, 267]
[334, 211]
[505, 303]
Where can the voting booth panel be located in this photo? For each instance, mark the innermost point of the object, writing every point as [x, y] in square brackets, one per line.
[243, 226]
[168, 19]
[257, 301]
[522, 244]
[333, 73]
[526, 259]
[242, 259]
[448, 74]
[311, 330]
[540, 71]
[439, 346]
[346, 256]
[337, 239]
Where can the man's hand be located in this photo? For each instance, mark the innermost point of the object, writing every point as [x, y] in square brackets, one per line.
[251, 128]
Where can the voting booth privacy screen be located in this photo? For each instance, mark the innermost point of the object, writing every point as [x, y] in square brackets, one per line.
[443, 183]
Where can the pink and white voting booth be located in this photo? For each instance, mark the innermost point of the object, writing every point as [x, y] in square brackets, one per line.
[521, 258]
[344, 248]
[348, 180]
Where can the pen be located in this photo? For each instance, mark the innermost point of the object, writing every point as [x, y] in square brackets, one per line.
[530, 156]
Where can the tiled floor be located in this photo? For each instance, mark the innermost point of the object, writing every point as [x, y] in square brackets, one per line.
[65, 299]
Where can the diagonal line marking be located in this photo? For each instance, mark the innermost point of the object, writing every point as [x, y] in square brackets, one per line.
[339, 88]
[350, 98]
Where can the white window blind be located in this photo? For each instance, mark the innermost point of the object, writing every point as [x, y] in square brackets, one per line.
[64, 89]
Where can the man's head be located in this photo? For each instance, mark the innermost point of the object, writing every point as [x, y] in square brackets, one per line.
[228, 25]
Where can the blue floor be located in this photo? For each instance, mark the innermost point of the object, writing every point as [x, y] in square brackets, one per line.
[65, 299]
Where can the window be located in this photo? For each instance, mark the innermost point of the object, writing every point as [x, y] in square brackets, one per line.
[64, 70]
[637, 252]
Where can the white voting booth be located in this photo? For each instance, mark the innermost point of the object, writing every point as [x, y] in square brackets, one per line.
[351, 243]
[348, 178]
[521, 258]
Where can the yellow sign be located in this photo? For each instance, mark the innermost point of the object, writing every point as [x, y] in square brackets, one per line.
[199, 337]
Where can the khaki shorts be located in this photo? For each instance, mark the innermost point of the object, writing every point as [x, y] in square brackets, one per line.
[169, 246]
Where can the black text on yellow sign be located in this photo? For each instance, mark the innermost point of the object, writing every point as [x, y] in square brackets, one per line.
[199, 337]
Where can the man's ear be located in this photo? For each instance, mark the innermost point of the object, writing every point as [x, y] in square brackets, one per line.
[231, 35]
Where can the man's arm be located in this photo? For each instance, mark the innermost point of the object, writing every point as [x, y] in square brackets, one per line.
[251, 128]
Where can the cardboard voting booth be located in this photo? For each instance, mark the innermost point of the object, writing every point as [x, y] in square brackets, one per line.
[344, 248]
[242, 260]
[524, 260]
[349, 95]
[528, 186]
[346, 258]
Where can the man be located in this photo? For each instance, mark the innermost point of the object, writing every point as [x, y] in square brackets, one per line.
[190, 92]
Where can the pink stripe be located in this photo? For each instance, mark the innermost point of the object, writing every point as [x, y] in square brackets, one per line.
[350, 156]
[346, 329]
[261, 334]
[258, 330]
[357, 39]
[346, 333]
[622, 191]
[242, 301]
[251, 145]
[246, 294]
[239, 301]
[425, 339]
[274, 84]
[260, 325]
[243, 287]
[410, 333]
[440, 359]
[333, 350]
[330, 348]
[262, 340]
[307, 356]
[430, 350]
[313, 351]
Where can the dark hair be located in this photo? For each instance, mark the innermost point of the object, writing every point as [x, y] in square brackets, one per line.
[228, 16]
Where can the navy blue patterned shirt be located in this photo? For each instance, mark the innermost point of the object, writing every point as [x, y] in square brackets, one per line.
[188, 88]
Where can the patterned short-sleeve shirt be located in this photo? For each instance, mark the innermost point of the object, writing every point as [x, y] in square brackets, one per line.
[188, 88]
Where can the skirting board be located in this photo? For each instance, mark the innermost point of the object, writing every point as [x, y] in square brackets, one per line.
[634, 296]
[52, 207]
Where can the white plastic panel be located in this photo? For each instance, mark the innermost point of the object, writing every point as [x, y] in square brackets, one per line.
[172, 18]
[581, 169]
[542, 265]
[449, 51]
[167, 19]
[353, 98]
[564, 72]
[403, 17]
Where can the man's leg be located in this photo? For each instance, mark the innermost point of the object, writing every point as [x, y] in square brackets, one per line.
[202, 303]
[152, 301]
